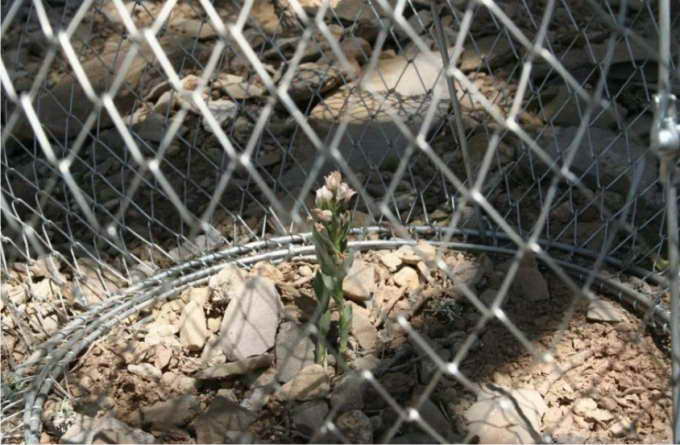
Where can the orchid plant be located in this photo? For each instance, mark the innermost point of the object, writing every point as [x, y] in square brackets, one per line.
[332, 221]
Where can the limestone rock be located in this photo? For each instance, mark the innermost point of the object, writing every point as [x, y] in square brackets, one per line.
[362, 329]
[193, 330]
[251, 320]
[603, 310]
[468, 271]
[311, 383]
[224, 282]
[415, 77]
[200, 295]
[494, 418]
[294, 351]
[390, 259]
[407, 278]
[408, 255]
[359, 284]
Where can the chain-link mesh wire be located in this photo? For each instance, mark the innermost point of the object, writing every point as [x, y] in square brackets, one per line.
[515, 224]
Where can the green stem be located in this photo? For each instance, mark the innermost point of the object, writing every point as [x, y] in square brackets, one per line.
[324, 327]
[345, 324]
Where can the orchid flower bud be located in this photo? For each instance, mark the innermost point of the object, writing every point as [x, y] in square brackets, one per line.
[323, 197]
[345, 193]
[324, 216]
[333, 181]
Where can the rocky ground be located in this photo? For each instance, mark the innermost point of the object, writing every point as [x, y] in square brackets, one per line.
[182, 377]
[231, 361]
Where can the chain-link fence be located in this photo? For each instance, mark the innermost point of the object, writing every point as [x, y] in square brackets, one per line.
[512, 273]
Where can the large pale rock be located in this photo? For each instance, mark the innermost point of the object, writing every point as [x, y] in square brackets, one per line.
[311, 383]
[250, 322]
[200, 295]
[226, 281]
[468, 271]
[267, 270]
[362, 328]
[390, 260]
[603, 310]
[408, 77]
[294, 351]
[506, 416]
[44, 290]
[359, 284]
[193, 330]
[407, 278]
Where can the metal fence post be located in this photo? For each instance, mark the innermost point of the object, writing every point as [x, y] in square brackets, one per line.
[666, 144]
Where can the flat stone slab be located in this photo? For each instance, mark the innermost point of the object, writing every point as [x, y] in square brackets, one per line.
[250, 322]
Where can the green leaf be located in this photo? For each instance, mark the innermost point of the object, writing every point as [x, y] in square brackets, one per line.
[318, 285]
